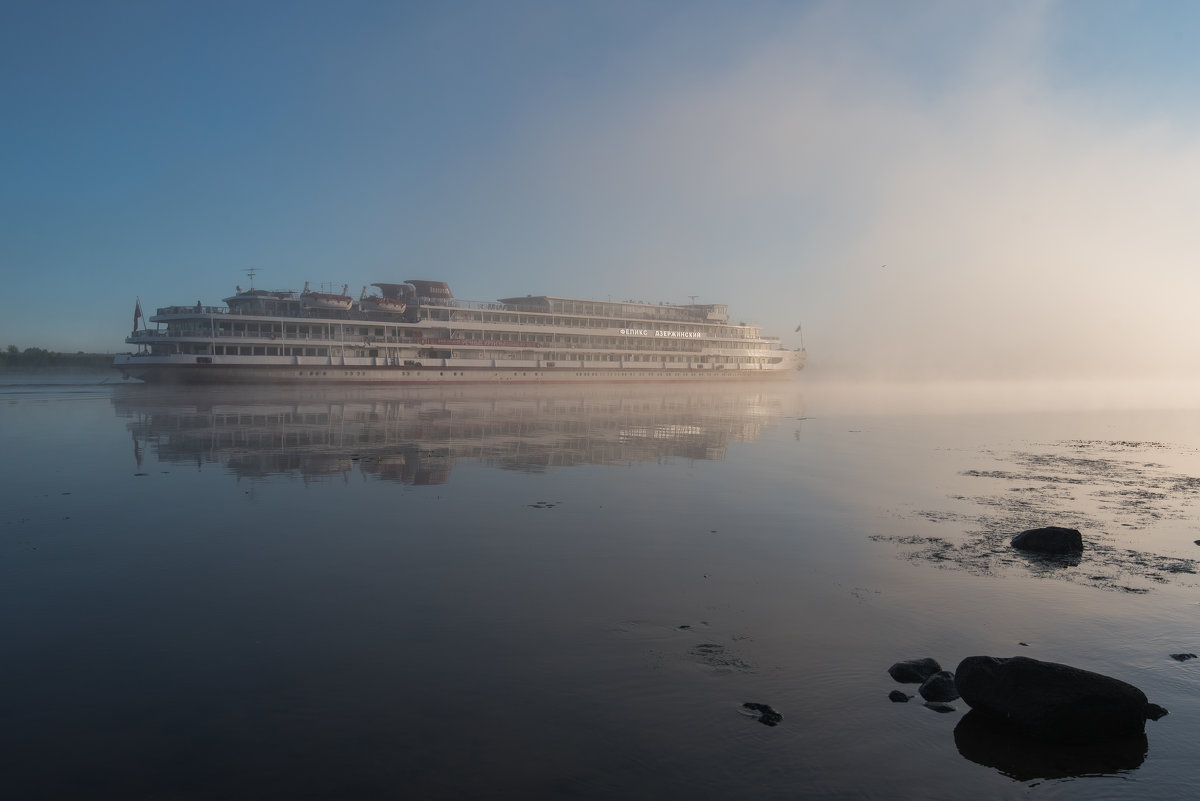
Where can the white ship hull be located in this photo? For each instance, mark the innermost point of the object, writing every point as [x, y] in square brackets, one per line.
[183, 369]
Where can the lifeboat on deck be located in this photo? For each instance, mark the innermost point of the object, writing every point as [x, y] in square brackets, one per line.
[325, 300]
[387, 304]
[392, 300]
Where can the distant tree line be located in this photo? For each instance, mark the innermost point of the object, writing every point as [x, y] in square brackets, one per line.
[13, 358]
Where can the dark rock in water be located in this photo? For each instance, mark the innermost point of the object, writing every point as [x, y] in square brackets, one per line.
[1052, 702]
[938, 707]
[1051, 539]
[914, 671]
[767, 715]
[939, 687]
[1154, 712]
[1182, 657]
[988, 741]
[898, 697]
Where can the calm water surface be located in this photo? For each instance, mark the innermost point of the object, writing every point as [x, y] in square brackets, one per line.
[570, 593]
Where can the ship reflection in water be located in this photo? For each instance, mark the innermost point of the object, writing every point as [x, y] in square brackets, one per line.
[416, 436]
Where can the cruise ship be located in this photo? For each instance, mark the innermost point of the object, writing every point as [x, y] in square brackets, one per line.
[417, 332]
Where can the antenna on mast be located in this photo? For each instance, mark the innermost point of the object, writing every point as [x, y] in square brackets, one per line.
[251, 272]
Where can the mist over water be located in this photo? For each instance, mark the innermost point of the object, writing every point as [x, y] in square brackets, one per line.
[571, 592]
[850, 395]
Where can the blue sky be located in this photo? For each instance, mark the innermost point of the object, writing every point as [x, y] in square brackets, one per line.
[1028, 172]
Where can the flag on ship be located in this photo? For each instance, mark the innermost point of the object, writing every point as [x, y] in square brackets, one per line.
[137, 313]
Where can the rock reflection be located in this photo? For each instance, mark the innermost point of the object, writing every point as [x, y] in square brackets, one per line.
[415, 436]
[1048, 562]
[989, 742]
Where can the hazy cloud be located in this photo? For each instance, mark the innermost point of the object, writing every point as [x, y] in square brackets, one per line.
[1022, 229]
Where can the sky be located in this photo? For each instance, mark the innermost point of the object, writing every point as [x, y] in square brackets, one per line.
[930, 189]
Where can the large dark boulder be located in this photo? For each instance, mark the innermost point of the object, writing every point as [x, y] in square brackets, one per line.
[1052, 702]
[1051, 539]
[914, 671]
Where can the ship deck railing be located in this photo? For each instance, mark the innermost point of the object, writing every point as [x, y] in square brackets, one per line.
[197, 309]
[658, 314]
[644, 311]
[658, 344]
[681, 346]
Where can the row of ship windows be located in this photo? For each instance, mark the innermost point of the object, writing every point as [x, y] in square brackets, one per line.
[581, 322]
[659, 343]
[258, 350]
[261, 350]
[442, 373]
[406, 373]
[334, 332]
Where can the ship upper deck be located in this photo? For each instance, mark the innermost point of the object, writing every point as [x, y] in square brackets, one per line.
[537, 305]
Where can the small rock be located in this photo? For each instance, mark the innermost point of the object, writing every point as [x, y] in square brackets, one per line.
[1182, 657]
[939, 687]
[1154, 712]
[767, 715]
[938, 707]
[914, 671]
[898, 697]
[1051, 539]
